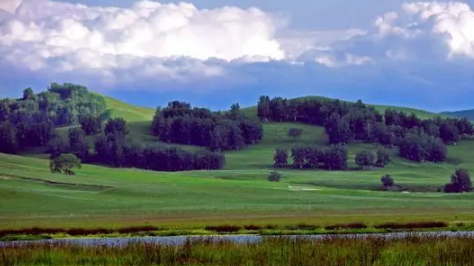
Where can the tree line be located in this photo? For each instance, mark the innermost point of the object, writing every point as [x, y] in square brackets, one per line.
[30, 121]
[333, 157]
[180, 123]
[112, 147]
[417, 139]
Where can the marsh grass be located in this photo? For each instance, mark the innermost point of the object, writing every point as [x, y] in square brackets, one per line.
[375, 251]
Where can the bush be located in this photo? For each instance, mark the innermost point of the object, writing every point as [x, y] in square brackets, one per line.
[346, 226]
[224, 228]
[460, 182]
[64, 164]
[387, 181]
[365, 159]
[295, 132]
[383, 157]
[274, 177]
[413, 225]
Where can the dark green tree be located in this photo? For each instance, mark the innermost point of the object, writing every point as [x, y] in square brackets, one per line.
[64, 164]
[387, 181]
[8, 138]
[366, 159]
[78, 144]
[460, 182]
[116, 125]
[448, 132]
[295, 133]
[274, 177]
[91, 124]
[280, 158]
[383, 157]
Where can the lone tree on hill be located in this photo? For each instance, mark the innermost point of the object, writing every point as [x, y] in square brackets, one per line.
[295, 133]
[274, 177]
[460, 182]
[64, 163]
[387, 181]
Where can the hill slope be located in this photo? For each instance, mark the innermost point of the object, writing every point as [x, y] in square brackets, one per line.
[240, 193]
[469, 114]
[128, 112]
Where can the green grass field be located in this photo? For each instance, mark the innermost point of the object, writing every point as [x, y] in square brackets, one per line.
[98, 196]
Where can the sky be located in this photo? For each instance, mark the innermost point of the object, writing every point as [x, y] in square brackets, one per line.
[214, 53]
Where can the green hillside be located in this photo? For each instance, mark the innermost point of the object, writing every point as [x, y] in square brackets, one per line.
[128, 112]
[240, 193]
[469, 114]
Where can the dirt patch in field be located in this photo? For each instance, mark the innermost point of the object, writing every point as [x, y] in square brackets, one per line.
[2, 177]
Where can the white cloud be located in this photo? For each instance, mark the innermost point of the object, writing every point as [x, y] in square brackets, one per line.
[418, 31]
[61, 37]
[174, 47]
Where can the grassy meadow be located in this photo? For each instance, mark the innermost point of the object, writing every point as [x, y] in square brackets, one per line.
[239, 194]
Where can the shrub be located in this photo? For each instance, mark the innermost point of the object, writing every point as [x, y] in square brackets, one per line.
[412, 225]
[274, 177]
[346, 226]
[383, 157]
[64, 163]
[295, 132]
[223, 228]
[252, 227]
[387, 181]
[365, 159]
[460, 182]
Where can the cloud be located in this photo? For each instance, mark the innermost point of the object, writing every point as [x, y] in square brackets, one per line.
[60, 37]
[418, 31]
[240, 53]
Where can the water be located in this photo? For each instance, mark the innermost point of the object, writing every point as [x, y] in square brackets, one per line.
[179, 240]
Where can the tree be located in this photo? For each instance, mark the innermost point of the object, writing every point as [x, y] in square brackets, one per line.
[28, 94]
[274, 177]
[298, 154]
[57, 146]
[295, 133]
[383, 157]
[234, 111]
[448, 132]
[116, 125]
[387, 181]
[365, 159]
[280, 158]
[64, 164]
[460, 182]
[8, 138]
[78, 144]
[91, 124]
[338, 129]
[334, 157]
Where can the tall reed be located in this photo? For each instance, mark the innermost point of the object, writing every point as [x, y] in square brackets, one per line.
[334, 250]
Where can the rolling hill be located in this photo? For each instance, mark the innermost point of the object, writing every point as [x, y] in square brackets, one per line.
[469, 114]
[239, 193]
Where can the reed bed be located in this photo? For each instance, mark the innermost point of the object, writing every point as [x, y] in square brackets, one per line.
[380, 251]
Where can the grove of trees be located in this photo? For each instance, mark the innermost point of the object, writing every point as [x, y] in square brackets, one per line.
[30, 121]
[180, 123]
[417, 139]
